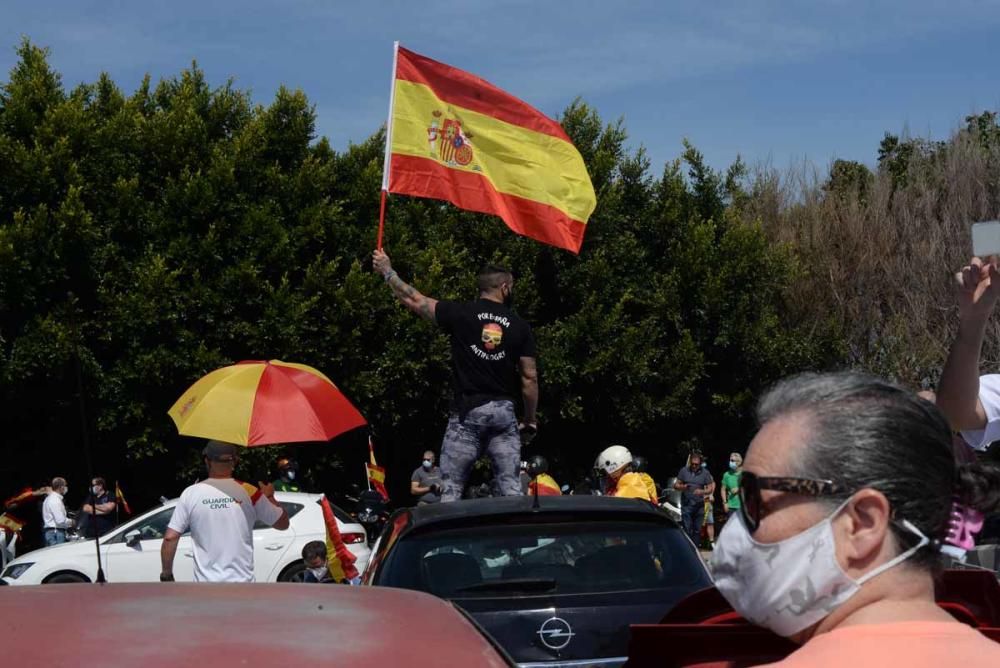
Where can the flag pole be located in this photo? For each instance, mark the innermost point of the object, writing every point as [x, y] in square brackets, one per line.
[388, 147]
[368, 478]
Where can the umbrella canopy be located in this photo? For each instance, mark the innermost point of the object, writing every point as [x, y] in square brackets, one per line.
[262, 403]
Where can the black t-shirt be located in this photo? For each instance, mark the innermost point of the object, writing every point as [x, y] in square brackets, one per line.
[104, 522]
[487, 341]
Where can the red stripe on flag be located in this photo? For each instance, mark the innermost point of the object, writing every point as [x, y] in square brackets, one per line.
[466, 90]
[424, 177]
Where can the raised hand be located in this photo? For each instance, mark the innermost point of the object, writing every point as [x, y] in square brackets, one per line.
[978, 287]
[380, 262]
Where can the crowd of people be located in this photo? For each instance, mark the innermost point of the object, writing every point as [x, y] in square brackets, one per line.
[850, 495]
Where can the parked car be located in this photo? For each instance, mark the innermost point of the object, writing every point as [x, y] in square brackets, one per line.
[131, 551]
[221, 625]
[557, 584]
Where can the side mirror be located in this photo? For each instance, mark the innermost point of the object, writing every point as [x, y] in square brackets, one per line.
[132, 538]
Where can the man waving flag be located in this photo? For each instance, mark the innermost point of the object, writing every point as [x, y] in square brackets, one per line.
[455, 137]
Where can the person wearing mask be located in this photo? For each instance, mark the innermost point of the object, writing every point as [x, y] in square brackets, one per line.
[288, 472]
[98, 510]
[694, 483]
[55, 522]
[221, 513]
[850, 494]
[493, 361]
[614, 465]
[314, 558]
[425, 483]
[639, 467]
[731, 484]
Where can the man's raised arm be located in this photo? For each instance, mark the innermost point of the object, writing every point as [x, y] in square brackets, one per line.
[958, 389]
[406, 293]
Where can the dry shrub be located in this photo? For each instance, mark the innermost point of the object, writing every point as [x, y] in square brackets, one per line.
[880, 249]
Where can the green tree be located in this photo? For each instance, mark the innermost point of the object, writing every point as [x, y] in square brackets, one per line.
[157, 235]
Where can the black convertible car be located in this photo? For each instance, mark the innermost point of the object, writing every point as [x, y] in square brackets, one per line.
[557, 582]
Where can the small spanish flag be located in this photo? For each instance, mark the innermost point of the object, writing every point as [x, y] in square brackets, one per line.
[546, 484]
[10, 523]
[376, 473]
[455, 137]
[120, 498]
[339, 560]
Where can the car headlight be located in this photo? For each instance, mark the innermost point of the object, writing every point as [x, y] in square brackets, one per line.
[15, 571]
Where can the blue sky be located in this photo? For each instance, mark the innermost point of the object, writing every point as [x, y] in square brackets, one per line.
[779, 82]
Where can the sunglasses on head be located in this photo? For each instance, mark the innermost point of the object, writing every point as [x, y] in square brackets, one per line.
[751, 485]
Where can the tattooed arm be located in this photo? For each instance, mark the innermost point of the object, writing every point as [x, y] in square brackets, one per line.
[406, 293]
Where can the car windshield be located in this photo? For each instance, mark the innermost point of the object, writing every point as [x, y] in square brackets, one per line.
[559, 558]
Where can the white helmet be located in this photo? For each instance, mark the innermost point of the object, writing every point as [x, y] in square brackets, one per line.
[612, 459]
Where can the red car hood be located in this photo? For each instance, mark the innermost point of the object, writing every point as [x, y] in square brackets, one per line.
[173, 624]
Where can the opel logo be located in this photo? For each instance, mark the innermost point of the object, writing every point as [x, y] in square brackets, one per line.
[555, 633]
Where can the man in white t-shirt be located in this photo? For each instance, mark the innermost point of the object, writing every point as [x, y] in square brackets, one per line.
[221, 513]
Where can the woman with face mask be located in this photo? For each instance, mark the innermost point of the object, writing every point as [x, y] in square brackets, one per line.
[850, 495]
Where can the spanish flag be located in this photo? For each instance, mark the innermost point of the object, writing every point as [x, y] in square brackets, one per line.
[120, 498]
[546, 484]
[10, 523]
[339, 560]
[376, 473]
[453, 136]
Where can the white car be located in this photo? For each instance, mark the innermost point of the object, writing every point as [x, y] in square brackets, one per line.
[131, 552]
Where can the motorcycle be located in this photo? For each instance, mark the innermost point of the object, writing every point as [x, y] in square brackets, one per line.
[372, 513]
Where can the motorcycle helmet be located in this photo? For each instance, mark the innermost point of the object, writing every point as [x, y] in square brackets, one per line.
[537, 465]
[639, 464]
[613, 459]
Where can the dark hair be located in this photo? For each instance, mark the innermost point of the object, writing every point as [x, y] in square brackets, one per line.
[865, 432]
[98, 480]
[492, 277]
[313, 549]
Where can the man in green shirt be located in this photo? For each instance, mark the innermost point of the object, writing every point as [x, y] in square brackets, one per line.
[731, 484]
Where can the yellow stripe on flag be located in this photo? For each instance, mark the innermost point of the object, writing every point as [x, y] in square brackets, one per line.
[516, 160]
[376, 474]
[229, 390]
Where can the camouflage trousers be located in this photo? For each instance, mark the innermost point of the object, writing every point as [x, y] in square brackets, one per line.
[490, 428]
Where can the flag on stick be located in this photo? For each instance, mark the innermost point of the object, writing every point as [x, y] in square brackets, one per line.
[376, 473]
[120, 498]
[339, 560]
[453, 136]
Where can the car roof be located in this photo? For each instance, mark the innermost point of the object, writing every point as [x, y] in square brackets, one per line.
[470, 509]
[153, 625]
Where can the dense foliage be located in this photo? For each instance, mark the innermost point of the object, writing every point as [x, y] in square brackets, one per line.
[146, 239]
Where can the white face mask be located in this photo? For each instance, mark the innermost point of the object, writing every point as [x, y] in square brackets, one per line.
[290, 474]
[790, 585]
[319, 573]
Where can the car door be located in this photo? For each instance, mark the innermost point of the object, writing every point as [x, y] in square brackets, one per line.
[271, 546]
[140, 561]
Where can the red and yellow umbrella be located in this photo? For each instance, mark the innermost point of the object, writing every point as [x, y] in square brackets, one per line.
[262, 403]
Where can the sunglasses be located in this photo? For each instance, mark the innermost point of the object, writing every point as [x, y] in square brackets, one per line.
[751, 505]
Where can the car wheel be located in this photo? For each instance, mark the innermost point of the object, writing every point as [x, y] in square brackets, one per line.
[65, 578]
[293, 572]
